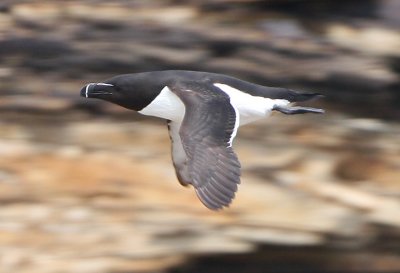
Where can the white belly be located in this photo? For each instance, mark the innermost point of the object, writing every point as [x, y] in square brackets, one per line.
[166, 105]
[250, 108]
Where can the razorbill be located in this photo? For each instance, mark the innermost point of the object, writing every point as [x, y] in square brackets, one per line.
[203, 111]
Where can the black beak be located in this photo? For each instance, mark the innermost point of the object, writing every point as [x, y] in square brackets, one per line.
[97, 90]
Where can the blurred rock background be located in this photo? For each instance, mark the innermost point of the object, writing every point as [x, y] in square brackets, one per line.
[89, 187]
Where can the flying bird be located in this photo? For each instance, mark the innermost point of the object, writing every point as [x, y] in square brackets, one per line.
[203, 111]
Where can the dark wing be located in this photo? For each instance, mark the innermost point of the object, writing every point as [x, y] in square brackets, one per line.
[206, 132]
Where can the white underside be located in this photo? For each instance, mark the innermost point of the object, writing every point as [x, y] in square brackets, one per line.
[250, 108]
[166, 105]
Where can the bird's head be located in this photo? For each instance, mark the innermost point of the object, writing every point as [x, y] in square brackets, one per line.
[129, 91]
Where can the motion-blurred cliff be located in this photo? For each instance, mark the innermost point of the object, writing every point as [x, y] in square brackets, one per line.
[89, 187]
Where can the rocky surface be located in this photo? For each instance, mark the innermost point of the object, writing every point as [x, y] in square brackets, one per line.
[107, 187]
[89, 187]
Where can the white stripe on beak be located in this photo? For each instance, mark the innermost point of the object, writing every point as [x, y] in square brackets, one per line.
[87, 89]
[88, 86]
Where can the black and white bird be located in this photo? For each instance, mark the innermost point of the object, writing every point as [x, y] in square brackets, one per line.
[203, 111]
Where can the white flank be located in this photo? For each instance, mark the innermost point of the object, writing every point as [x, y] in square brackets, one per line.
[106, 84]
[166, 105]
[250, 108]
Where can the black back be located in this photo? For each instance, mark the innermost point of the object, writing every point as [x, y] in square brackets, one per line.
[136, 91]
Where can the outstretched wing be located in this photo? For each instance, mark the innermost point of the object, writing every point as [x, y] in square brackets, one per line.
[206, 133]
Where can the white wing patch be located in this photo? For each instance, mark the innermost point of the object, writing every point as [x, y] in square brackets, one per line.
[166, 105]
[250, 108]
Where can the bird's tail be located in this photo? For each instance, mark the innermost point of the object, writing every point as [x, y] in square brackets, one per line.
[292, 110]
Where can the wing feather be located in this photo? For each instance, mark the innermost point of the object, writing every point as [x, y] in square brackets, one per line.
[206, 132]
